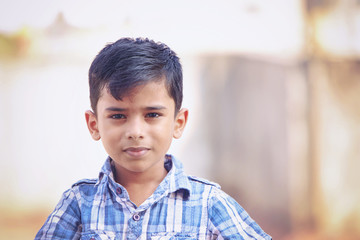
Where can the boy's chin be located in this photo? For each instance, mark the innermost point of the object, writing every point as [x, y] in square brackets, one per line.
[139, 165]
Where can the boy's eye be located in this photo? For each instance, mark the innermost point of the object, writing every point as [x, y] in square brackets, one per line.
[152, 115]
[117, 116]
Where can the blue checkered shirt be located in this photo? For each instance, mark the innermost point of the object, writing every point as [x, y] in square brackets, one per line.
[182, 207]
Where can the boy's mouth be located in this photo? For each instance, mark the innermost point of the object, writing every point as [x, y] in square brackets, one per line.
[136, 151]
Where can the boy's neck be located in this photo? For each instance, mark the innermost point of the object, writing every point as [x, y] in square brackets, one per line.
[140, 185]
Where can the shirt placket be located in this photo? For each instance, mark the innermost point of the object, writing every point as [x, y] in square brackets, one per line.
[135, 226]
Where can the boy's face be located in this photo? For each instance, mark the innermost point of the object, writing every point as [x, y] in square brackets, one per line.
[137, 131]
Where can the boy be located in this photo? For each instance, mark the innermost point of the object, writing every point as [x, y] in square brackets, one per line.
[141, 192]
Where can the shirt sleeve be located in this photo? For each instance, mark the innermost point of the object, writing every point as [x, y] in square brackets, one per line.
[228, 220]
[64, 222]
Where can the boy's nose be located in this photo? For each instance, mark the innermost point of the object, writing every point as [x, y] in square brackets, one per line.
[135, 130]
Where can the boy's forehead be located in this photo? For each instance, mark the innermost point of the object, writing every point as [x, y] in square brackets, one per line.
[132, 91]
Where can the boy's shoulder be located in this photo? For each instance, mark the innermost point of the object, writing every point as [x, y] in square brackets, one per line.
[199, 180]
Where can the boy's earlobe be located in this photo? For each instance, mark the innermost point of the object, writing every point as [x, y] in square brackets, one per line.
[180, 122]
[92, 125]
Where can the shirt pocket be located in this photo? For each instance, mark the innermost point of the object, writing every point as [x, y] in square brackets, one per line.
[99, 235]
[173, 236]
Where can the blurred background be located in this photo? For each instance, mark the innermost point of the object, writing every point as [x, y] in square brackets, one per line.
[273, 89]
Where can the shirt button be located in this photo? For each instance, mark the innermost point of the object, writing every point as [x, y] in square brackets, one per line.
[118, 190]
[136, 217]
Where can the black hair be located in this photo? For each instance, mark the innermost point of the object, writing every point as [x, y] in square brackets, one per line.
[127, 63]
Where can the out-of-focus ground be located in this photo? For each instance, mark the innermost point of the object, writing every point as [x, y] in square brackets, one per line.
[272, 87]
[16, 224]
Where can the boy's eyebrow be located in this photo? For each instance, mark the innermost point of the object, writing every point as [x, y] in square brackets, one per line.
[157, 107]
[117, 109]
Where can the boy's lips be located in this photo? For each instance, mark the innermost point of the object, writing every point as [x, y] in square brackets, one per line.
[136, 151]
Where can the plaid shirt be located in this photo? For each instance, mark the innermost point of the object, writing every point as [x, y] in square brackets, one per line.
[182, 207]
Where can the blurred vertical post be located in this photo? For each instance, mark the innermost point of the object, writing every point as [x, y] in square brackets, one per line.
[332, 59]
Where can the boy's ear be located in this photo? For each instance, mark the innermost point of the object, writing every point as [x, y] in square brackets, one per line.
[180, 122]
[92, 125]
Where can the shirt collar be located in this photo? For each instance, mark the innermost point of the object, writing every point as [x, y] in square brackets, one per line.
[106, 170]
[176, 177]
[175, 180]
